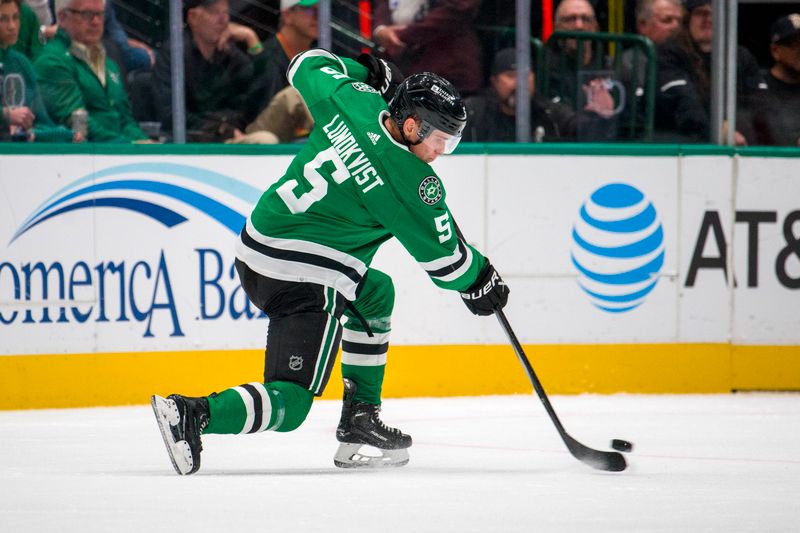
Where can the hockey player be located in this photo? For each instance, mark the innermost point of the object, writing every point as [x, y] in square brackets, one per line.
[304, 257]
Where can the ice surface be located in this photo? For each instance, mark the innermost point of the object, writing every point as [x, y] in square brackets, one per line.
[700, 463]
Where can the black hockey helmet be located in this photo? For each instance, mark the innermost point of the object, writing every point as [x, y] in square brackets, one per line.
[434, 101]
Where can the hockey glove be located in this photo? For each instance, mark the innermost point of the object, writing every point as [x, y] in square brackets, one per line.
[488, 293]
[383, 76]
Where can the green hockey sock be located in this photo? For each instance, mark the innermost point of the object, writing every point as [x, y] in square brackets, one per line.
[254, 407]
[368, 380]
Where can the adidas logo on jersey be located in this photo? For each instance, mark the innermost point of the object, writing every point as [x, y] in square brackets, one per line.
[374, 137]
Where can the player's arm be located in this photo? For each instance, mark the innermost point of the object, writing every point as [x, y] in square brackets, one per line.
[317, 74]
[435, 242]
[427, 230]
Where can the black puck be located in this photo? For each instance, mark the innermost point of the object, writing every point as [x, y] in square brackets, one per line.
[622, 445]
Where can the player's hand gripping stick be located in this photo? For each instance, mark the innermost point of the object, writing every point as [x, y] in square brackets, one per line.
[489, 292]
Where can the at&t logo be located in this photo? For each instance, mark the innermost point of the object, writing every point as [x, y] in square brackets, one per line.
[618, 247]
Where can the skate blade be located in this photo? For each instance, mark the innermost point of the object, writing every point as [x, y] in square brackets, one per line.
[350, 456]
[179, 452]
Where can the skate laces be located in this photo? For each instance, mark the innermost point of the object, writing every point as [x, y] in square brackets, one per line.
[376, 412]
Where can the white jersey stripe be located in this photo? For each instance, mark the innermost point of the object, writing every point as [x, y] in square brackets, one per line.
[361, 337]
[299, 58]
[296, 245]
[443, 262]
[460, 270]
[266, 405]
[360, 359]
[295, 271]
[249, 407]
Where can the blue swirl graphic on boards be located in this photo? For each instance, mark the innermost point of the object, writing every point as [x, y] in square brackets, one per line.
[113, 191]
[618, 247]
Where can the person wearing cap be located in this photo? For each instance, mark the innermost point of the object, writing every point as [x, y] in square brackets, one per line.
[492, 114]
[76, 75]
[778, 119]
[683, 97]
[297, 31]
[221, 61]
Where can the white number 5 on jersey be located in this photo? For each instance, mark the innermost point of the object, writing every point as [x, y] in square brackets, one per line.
[319, 186]
[443, 227]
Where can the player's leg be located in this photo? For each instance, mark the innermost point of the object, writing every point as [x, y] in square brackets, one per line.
[365, 343]
[248, 408]
[364, 352]
[304, 336]
[301, 350]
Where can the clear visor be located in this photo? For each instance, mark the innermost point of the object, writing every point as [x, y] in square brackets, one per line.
[436, 139]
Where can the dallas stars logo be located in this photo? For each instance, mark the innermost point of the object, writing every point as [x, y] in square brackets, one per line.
[363, 87]
[430, 190]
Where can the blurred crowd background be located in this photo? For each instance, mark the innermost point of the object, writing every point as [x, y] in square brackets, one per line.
[601, 71]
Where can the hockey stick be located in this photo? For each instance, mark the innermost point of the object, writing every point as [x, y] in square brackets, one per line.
[611, 461]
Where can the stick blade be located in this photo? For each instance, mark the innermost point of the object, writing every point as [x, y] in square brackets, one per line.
[608, 461]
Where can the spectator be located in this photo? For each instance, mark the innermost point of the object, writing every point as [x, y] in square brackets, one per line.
[23, 116]
[658, 20]
[566, 63]
[778, 119]
[48, 29]
[132, 54]
[298, 30]
[219, 76]
[286, 119]
[28, 44]
[262, 16]
[75, 74]
[129, 54]
[432, 36]
[683, 101]
[42, 10]
[492, 115]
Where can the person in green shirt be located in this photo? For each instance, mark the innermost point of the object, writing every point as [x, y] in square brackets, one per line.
[23, 116]
[75, 74]
[362, 178]
[28, 43]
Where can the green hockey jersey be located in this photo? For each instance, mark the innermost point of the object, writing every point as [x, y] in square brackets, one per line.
[350, 189]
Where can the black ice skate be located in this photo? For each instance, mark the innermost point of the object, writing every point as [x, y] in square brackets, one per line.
[182, 421]
[360, 426]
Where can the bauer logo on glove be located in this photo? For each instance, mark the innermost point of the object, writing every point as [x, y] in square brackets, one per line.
[488, 293]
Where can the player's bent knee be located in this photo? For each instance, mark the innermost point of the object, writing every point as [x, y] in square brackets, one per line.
[296, 404]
